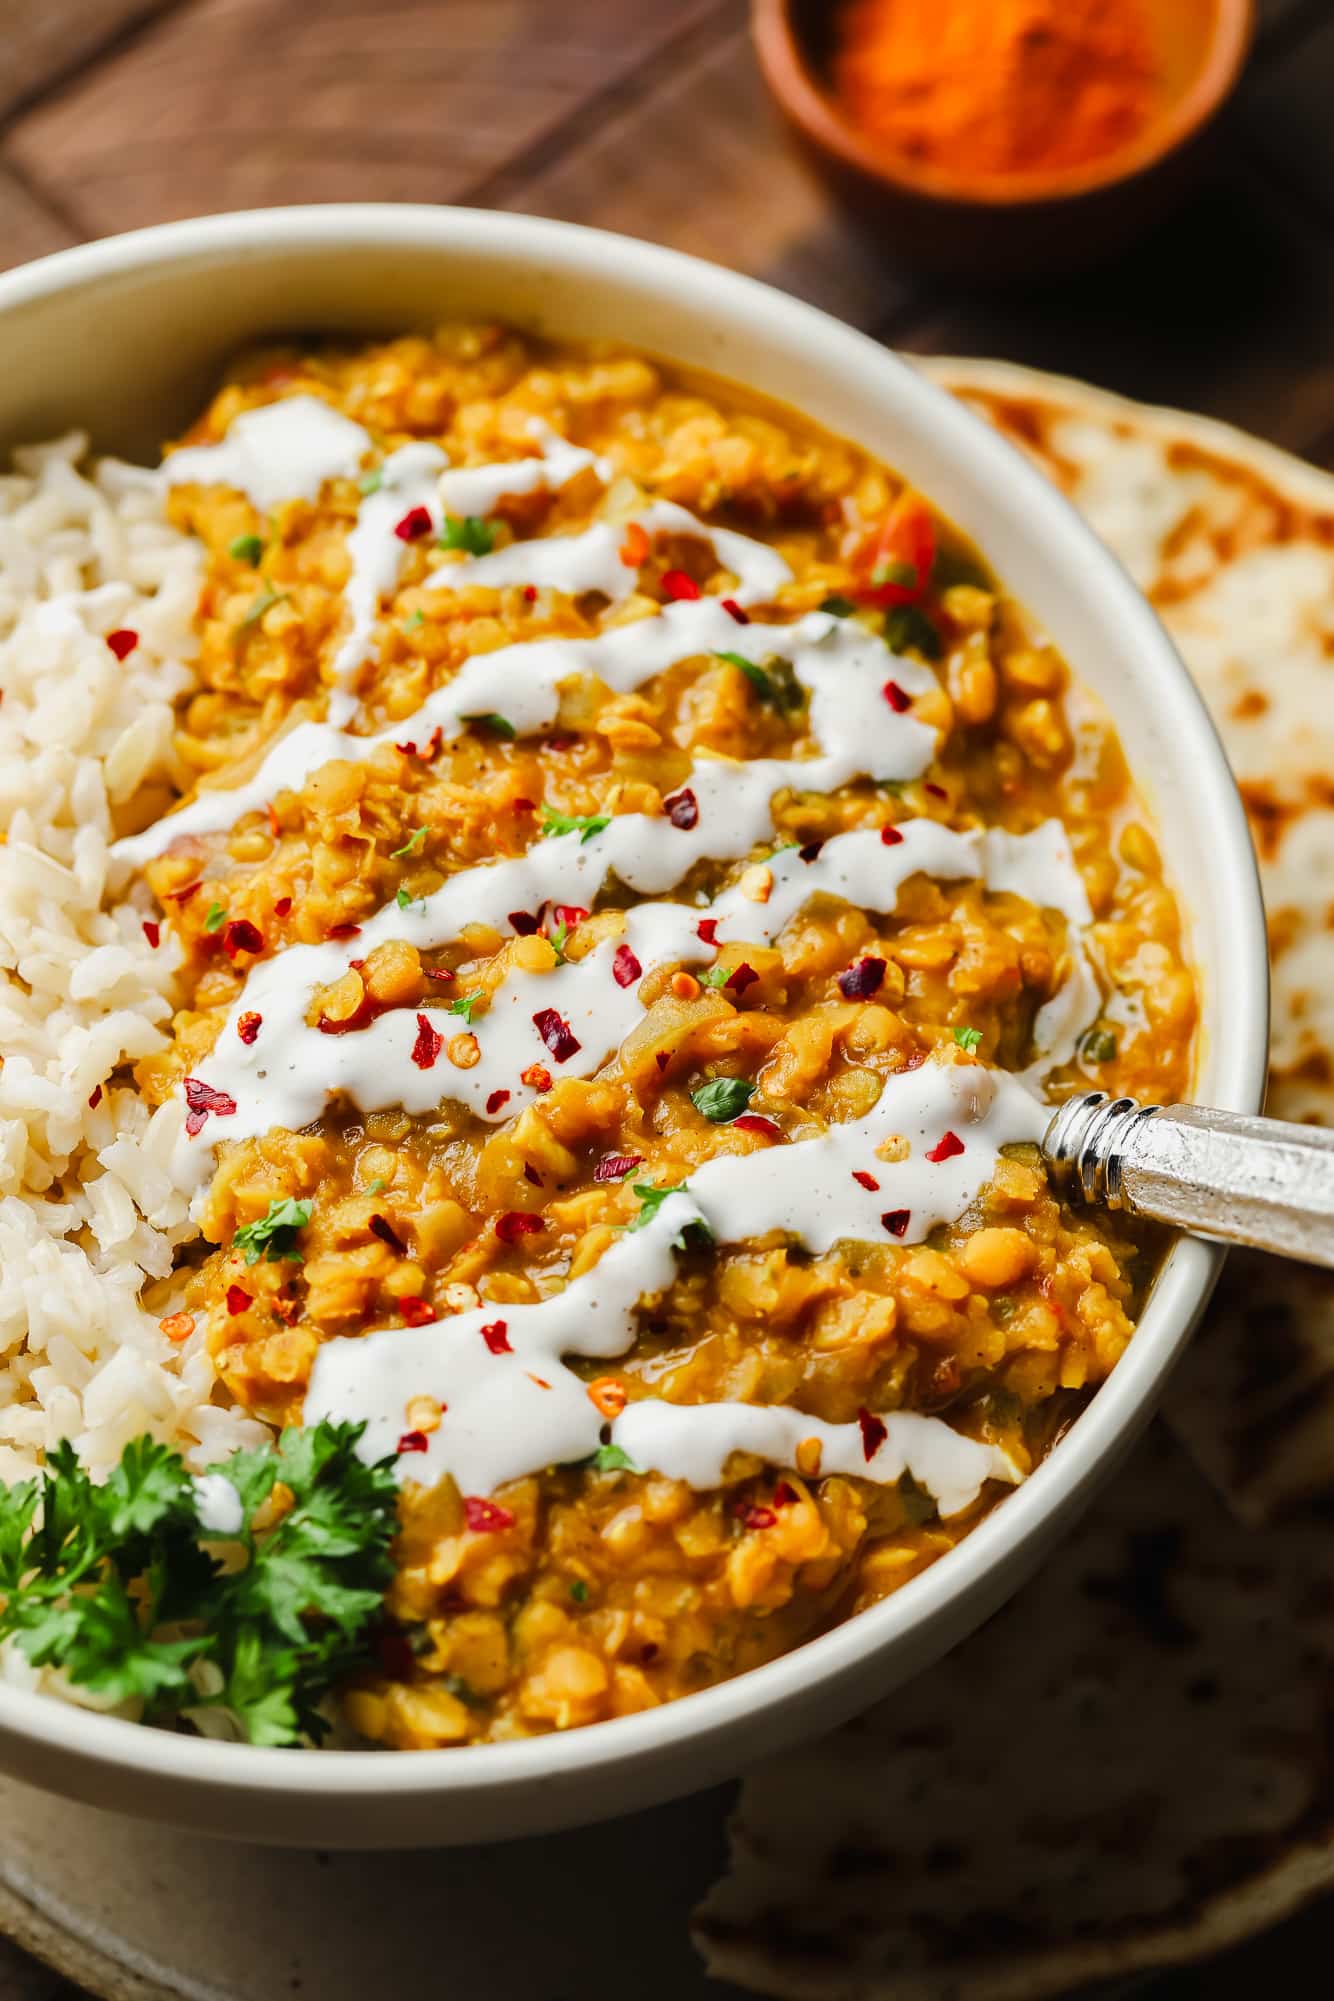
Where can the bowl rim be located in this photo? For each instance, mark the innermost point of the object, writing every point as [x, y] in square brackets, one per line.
[1238, 1046]
[786, 70]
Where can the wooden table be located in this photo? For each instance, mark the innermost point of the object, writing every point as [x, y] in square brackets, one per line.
[648, 116]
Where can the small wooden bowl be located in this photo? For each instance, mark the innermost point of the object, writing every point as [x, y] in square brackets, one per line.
[994, 227]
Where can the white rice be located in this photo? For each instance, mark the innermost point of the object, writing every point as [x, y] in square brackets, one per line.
[88, 1213]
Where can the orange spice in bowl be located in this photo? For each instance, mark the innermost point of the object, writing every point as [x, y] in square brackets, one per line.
[997, 86]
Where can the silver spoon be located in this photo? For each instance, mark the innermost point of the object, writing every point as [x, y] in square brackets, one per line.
[1237, 1180]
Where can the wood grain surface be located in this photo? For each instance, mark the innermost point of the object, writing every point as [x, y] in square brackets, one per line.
[648, 116]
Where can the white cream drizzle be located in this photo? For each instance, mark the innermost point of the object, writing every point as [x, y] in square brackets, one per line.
[513, 1412]
[280, 451]
[409, 478]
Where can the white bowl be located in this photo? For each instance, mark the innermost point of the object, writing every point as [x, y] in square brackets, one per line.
[125, 338]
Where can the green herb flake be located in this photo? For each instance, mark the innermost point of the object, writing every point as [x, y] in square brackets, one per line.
[412, 846]
[918, 1505]
[722, 1099]
[1098, 1046]
[378, 1186]
[651, 1200]
[121, 1585]
[968, 1039]
[499, 725]
[611, 1459]
[247, 549]
[583, 824]
[579, 1591]
[840, 607]
[371, 482]
[715, 976]
[266, 600]
[274, 1235]
[402, 898]
[953, 567]
[558, 940]
[907, 627]
[216, 917]
[418, 618]
[464, 1692]
[466, 1003]
[468, 532]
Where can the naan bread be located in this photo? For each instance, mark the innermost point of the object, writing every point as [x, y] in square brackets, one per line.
[1125, 1768]
[1129, 1766]
[1233, 542]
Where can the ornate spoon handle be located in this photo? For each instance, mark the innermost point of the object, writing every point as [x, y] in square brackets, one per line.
[1239, 1180]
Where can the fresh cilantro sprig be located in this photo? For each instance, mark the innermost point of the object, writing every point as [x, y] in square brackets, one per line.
[465, 1004]
[583, 824]
[968, 1039]
[274, 1235]
[469, 532]
[121, 1586]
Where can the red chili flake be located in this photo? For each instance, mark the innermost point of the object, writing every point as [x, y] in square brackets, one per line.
[682, 809]
[153, 932]
[561, 740]
[707, 929]
[122, 642]
[616, 1166]
[241, 936]
[95, 1098]
[866, 1181]
[496, 1100]
[201, 1099]
[678, 585]
[485, 1517]
[568, 914]
[530, 592]
[662, 1059]
[936, 791]
[896, 1221]
[811, 851]
[283, 907]
[862, 979]
[525, 922]
[381, 1227]
[428, 1044]
[754, 1122]
[287, 1310]
[537, 1077]
[248, 1027]
[946, 1147]
[415, 523]
[874, 1432]
[556, 1033]
[531, 1175]
[406, 749]
[744, 976]
[523, 805]
[416, 1311]
[357, 965]
[516, 1223]
[752, 1517]
[541, 1381]
[412, 1441]
[625, 967]
[733, 610]
[184, 895]
[784, 1496]
[344, 931]
[897, 697]
[237, 1299]
[890, 836]
[496, 1336]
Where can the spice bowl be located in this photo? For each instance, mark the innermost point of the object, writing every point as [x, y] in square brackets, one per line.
[997, 226]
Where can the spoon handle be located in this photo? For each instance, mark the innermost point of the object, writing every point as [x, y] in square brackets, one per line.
[1239, 1180]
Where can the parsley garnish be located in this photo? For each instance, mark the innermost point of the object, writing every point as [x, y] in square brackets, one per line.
[558, 940]
[412, 846]
[500, 724]
[1098, 1046]
[967, 1038]
[583, 824]
[247, 549]
[216, 918]
[775, 684]
[371, 482]
[466, 1004]
[715, 976]
[579, 1591]
[112, 1569]
[274, 1234]
[468, 532]
[906, 626]
[723, 1099]
[264, 602]
[402, 898]
[611, 1459]
[841, 607]
[651, 1200]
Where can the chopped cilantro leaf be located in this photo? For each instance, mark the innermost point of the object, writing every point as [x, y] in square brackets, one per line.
[906, 626]
[264, 602]
[275, 1233]
[840, 607]
[558, 940]
[715, 976]
[466, 1003]
[468, 532]
[378, 1186]
[583, 824]
[579, 1591]
[1098, 1046]
[501, 725]
[246, 549]
[418, 618]
[216, 917]
[774, 683]
[612, 1459]
[371, 482]
[402, 898]
[723, 1098]
[412, 846]
[967, 1038]
[651, 1200]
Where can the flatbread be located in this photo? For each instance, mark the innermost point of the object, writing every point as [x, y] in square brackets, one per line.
[1130, 1765]
[1127, 1767]
[1233, 542]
